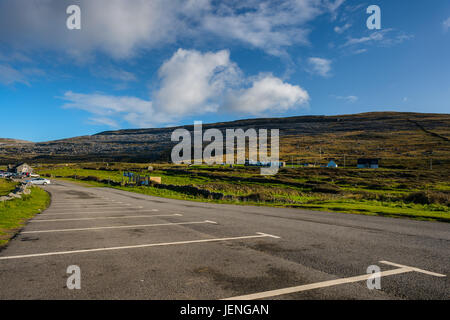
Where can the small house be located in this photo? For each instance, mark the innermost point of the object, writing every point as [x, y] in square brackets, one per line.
[332, 164]
[21, 168]
[367, 163]
[253, 163]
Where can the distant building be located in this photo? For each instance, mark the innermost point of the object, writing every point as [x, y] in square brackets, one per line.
[252, 163]
[332, 164]
[20, 168]
[309, 165]
[367, 164]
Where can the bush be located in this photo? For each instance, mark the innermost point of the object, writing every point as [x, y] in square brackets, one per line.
[429, 197]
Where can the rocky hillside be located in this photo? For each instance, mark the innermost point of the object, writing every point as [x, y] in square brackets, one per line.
[12, 141]
[387, 135]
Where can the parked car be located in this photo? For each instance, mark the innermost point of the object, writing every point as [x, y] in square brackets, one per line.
[39, 181]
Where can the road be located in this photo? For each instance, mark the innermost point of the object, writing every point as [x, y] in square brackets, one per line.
[133, 246]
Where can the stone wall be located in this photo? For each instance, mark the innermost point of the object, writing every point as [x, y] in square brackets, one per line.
[23, 189]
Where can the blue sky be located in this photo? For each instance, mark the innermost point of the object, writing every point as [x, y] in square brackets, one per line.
[161, 63]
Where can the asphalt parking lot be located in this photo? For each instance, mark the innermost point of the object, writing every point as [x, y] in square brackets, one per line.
[132, 246]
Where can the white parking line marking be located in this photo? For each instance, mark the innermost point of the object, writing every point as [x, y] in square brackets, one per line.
[324, 284]
[83, 212]
[99, 205]
[99, 218]
[413, 269]
[91, 208]
[121, 227]
[83, 204]
[269, 235]
[135, 246]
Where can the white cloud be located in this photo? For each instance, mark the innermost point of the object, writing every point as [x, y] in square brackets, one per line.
[123, 28]
[349, 99]
[104, 121]
[118, 28]
[114, 73]
[14, 56]
[342, 29]
[446, 24]
[333, 7]
[319, 66]
[193, 83]
[267, 94]
[385, 37]
[268, 25]
[107, 108]
[375, 36]
[9, 75]
[359, 51]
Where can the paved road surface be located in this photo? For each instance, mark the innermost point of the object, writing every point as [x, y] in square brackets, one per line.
[132, 246]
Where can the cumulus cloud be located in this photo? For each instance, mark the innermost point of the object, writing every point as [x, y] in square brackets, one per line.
[267, 94]
[193, 83]
[116, 27]
[123, 28]
[319, 66]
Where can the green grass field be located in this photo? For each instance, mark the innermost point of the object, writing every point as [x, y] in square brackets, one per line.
[14, 213]
[385, 192]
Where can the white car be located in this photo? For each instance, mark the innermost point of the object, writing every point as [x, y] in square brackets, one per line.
[39, 181]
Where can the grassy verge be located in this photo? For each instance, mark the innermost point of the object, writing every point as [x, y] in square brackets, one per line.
[6, 187]
[14, 213]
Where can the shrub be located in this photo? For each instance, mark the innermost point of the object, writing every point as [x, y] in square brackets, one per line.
[430, 197]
